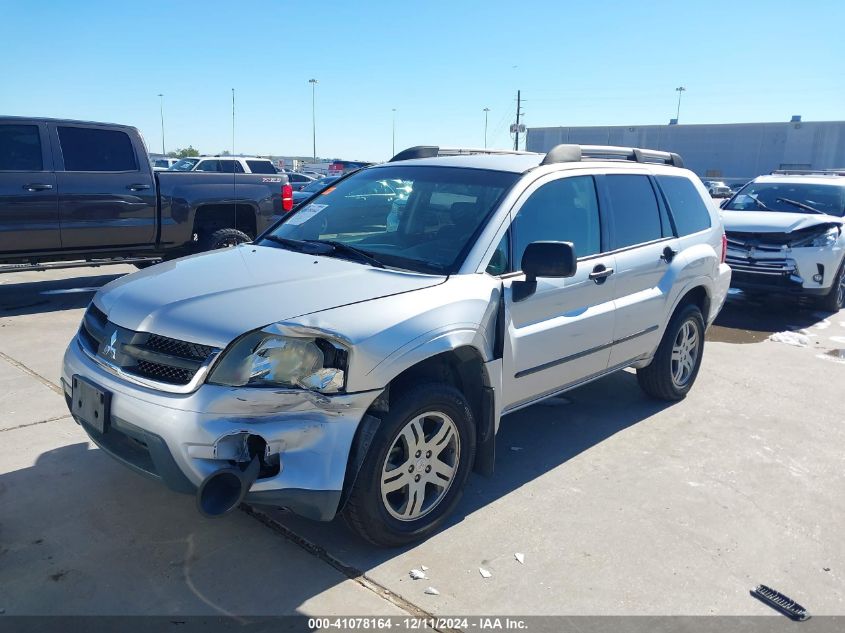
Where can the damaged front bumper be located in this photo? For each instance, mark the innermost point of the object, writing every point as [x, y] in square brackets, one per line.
[180, 439]
[783, 269]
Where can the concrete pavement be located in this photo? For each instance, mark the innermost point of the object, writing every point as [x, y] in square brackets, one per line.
[620, 505]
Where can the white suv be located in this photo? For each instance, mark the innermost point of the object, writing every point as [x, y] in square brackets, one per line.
[785, 235]
[344, 362]
[238, 164]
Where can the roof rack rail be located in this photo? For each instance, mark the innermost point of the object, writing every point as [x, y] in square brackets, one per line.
[567, 153]
[430, 151]
[809, 172]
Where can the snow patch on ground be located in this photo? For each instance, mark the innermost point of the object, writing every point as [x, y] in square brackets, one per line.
[791, 338]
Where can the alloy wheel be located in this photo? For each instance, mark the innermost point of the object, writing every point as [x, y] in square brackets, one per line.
[685, 353]
[420, 466]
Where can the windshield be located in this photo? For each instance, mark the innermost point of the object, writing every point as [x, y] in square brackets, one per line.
[185, 164]
[790, 197]
[417, 218]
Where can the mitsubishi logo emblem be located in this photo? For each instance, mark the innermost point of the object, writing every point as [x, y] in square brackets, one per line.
[111, 348]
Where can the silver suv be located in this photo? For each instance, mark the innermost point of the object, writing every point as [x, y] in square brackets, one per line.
[359, 355]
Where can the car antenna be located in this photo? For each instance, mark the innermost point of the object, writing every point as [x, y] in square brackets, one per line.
[234, 201]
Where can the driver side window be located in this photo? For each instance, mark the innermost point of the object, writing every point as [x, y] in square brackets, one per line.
[564, 210]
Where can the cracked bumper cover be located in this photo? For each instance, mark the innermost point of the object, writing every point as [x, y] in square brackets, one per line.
[173, 437]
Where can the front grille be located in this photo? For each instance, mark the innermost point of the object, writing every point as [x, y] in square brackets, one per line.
[164, 373]
[761, 266]
[182, 349]
[151, 356]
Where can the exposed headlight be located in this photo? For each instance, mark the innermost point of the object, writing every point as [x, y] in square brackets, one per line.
[822, 240]
[265, 359]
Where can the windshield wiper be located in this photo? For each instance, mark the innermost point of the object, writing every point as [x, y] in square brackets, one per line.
[800, 205]
[340, 247]
[760, 204]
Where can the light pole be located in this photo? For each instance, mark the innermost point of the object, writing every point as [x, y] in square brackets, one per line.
[486, 110]
[393, 135]
[161, 112]
[680, 90]
[313, 83]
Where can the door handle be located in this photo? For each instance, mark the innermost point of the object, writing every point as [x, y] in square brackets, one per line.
[38, 186]
[137, 187]
[668, 254]
[600, 273]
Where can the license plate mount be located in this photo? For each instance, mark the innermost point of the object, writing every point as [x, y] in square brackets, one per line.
[91, 404]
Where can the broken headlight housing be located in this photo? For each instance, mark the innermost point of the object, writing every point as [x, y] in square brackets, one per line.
[267, 359]
[820, 240]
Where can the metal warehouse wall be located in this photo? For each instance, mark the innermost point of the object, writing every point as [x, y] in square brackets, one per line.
[734, 151]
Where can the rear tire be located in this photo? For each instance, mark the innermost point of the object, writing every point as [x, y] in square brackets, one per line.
[834, 300]
[222, 238]
[402, 493]
[675, 365]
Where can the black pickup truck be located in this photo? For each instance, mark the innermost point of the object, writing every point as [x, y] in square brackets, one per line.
[75, 192]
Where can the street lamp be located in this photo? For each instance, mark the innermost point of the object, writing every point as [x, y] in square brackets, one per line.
[161, 112]
[393, 136]
[313, 83]
[680, 90]
[486, 110]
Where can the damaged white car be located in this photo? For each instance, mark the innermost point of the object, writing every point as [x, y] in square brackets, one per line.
[785, 235]
[359, 355]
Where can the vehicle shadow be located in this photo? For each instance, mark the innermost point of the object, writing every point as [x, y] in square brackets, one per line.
[746, 319]
[83, 535]
[530, 443]
[50, 295]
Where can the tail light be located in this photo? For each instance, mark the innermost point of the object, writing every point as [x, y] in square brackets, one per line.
[724, 247]
[287, 197]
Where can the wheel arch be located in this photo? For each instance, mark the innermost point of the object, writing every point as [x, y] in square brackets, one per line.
[211, 217]
[462, 367]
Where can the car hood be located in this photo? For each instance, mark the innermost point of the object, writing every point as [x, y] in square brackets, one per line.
[774, 221]
[213, 298]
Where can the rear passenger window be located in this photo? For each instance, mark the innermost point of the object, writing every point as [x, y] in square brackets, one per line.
[636, 216]
[91, 149]
[688, 209]
[261, 167]
[20, 148]
[564, 210]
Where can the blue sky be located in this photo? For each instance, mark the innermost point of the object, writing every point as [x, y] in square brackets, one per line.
[438, 63]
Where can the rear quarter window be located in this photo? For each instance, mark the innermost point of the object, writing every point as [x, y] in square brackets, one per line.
[688, 209]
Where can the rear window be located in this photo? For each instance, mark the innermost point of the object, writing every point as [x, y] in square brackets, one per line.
[20, 148]
[636, 216]
[688, 209]
[261, 167]
[91, 149]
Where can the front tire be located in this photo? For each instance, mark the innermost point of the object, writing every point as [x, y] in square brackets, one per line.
[414, 473]
[834, 300]
[675, 365]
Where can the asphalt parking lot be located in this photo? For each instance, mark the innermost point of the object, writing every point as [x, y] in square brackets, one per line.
[619, 504]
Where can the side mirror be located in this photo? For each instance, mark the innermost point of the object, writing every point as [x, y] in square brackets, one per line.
[544, 259]
[549, 259]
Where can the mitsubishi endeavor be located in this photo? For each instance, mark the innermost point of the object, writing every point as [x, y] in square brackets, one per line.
[342, 362]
